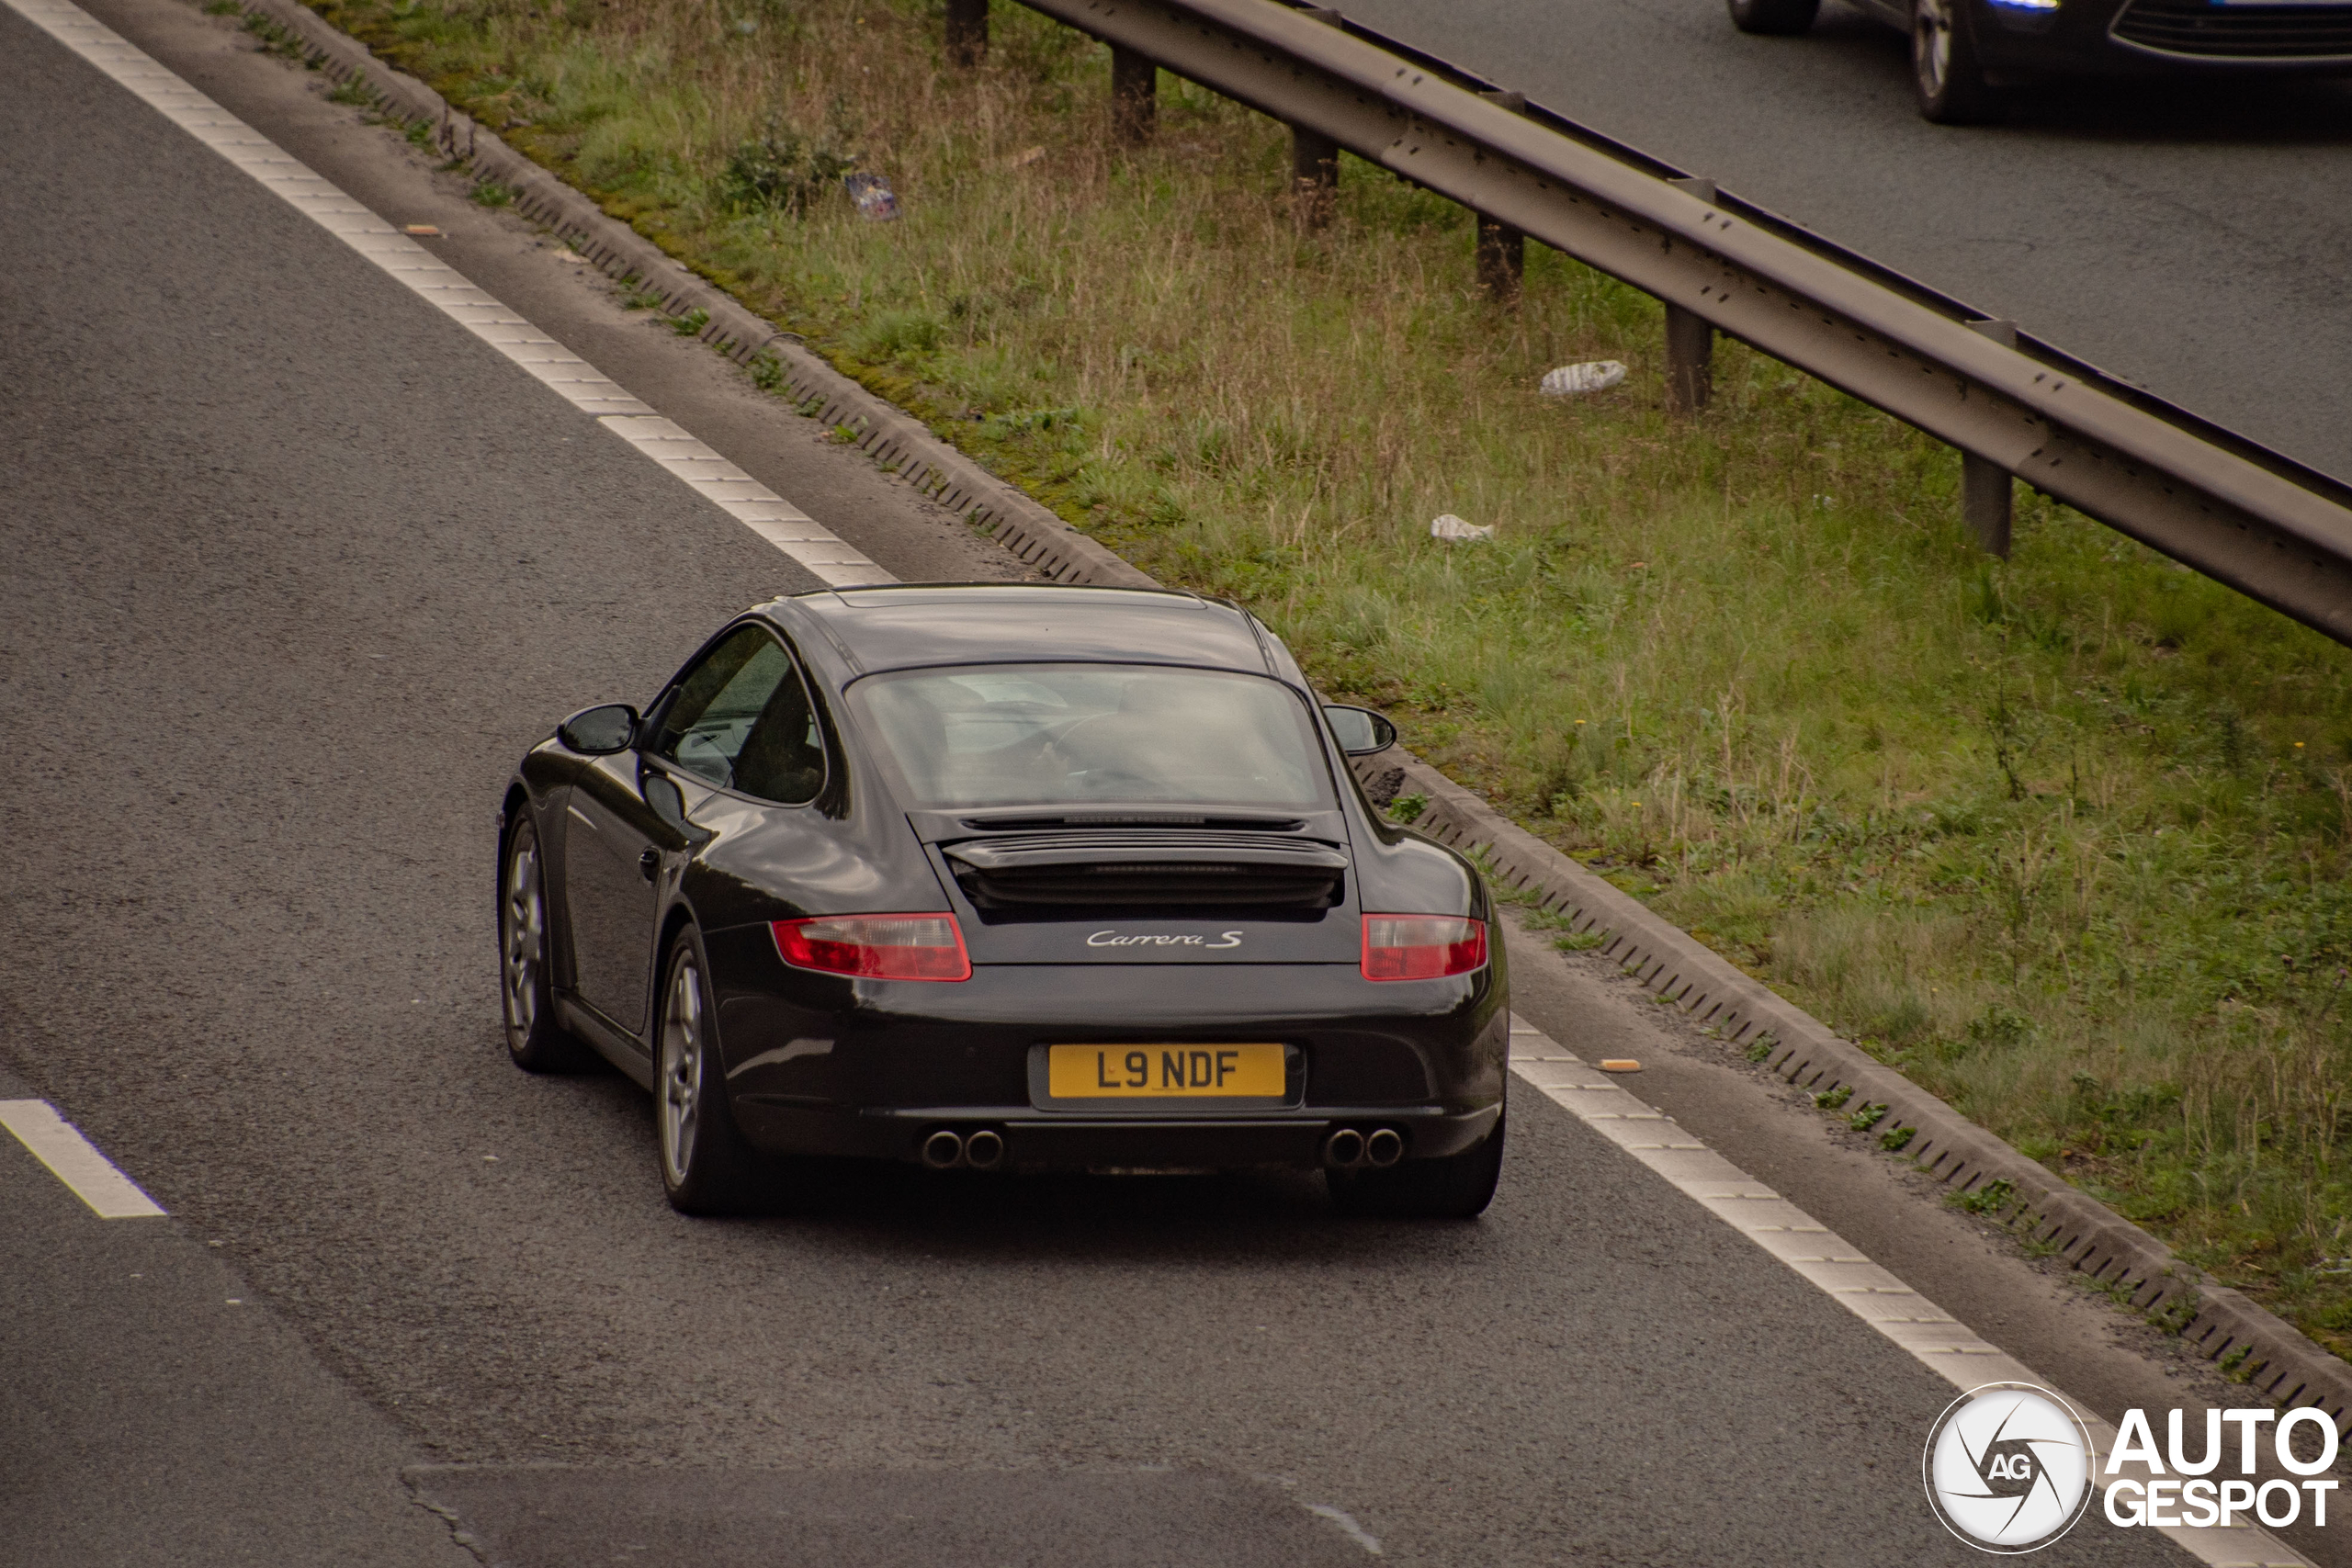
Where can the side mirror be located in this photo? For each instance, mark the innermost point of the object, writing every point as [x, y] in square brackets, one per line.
[599, 731]
[1360, 731]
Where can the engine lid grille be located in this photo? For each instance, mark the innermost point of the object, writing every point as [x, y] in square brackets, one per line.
[1152, 869]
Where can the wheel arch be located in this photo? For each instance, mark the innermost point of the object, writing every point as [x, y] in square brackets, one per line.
[675, 919]
[517, 801]
[510, 811]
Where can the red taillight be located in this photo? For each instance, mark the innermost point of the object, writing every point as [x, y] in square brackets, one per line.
[1422, 947]
[884, 947]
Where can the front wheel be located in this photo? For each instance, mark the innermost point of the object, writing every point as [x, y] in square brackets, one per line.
[534, 1039]
[706, 1167]
[1945, 72]
[1785, 18]
[1457, 1187]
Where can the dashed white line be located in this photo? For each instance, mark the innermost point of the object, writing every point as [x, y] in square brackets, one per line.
[1834, 1265]
[75, 1161]
[825, 555]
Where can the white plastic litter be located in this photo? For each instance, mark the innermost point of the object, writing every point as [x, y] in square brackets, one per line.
[1449, 526]
[1593, 376]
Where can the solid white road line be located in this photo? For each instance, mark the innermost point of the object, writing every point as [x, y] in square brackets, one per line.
[1828, 1262]
[825, 555]
[75, 1161]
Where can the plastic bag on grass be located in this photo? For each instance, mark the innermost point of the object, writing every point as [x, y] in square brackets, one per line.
[1574, 381]
[1449, 527]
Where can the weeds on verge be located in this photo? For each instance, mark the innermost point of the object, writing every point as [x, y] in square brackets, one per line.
[1990, 1199]
[2065, 838]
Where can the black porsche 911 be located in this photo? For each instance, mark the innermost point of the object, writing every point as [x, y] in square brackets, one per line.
[1004, 877]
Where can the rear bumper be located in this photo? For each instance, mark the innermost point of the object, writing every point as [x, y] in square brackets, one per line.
[820, 1065]
[1035, 1140]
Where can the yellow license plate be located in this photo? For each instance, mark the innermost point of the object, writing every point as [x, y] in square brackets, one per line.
[1163, 1072]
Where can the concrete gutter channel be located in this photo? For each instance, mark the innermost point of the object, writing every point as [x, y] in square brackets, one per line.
[2256, 1345]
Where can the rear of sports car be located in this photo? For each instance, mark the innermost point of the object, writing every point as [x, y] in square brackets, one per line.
[1160, 931]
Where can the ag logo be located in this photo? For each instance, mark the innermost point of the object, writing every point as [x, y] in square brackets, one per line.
[2008, 1468]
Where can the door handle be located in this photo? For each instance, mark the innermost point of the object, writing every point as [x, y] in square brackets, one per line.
[649, 863]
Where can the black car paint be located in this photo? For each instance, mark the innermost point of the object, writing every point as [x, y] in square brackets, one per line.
[825, 1064]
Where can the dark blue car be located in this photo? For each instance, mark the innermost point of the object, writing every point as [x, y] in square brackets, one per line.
[1961, 48]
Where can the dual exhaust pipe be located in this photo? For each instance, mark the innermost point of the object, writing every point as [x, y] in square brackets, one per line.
[1349, 1148]
[981, 1150]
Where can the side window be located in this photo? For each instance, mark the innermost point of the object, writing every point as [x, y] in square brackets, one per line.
[741, 719]
[782, 759]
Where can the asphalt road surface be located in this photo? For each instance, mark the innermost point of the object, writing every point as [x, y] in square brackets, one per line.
[294, 569]
[2188, 238]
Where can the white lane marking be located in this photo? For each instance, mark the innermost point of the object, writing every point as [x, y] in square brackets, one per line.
[75, 1161]
[1835, 1266]
[825, 555]
[1355, 1531]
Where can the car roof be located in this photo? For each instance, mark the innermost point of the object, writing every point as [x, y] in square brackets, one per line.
[910, 626]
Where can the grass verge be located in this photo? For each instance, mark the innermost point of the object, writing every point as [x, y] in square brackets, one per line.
[2064, 839]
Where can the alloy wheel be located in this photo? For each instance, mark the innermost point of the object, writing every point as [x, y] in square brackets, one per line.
[526, 936]
[684, 1056]
[1931, 44]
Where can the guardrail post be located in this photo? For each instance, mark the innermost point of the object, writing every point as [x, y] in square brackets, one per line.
[1986, 491]
[1502, 260]
[1985, 488]
[967, 31]
[1313, 177]
[1690, 360]
[1690, 338]
[1502, 250]
[1134, 96]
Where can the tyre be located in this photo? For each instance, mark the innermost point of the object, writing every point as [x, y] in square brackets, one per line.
[535, 1041]
[705, 1165]
[1458, 1187]
[1783, 17]
[1945, 72]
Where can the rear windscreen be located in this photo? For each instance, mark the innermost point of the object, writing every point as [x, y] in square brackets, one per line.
[1059, 734]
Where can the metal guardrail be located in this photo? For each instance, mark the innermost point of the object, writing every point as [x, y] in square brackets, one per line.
[2272, 528]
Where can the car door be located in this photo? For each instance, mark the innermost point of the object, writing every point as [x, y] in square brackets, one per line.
[608, 870]
[738, 719]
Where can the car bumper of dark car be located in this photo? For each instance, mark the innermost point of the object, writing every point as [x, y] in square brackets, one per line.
[2139, 37]
[823, 1066]
[1035, 1140]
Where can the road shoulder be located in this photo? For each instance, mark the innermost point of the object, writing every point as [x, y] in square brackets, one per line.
[155, 1411]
